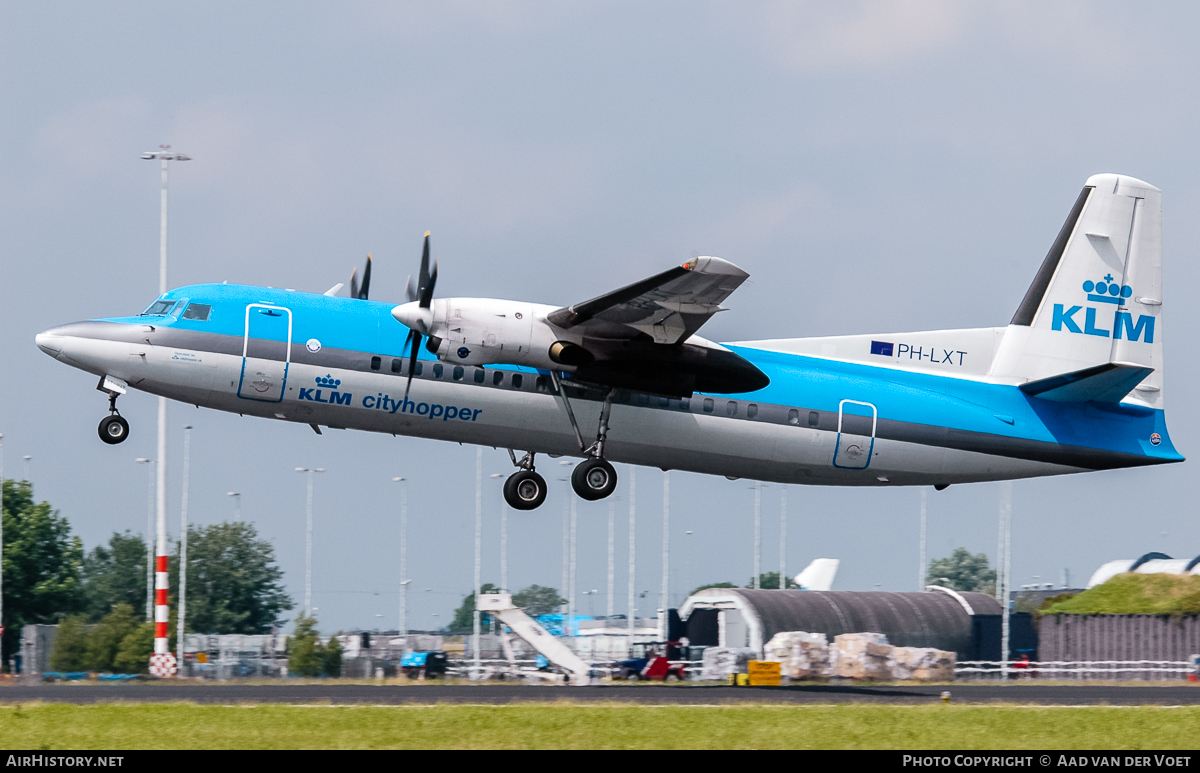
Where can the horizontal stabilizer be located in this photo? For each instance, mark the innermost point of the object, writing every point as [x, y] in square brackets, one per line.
[1107, 383]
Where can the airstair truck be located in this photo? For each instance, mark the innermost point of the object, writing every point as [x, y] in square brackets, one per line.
[501, 605]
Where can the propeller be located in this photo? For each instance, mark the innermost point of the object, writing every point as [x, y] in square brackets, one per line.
[355, 290]
[416, 314]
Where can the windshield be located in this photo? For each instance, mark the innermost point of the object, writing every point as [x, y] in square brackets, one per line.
[158, 309]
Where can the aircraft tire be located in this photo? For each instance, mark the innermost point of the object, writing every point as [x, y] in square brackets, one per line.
[113, 429]
[594, 479]
[525, 490]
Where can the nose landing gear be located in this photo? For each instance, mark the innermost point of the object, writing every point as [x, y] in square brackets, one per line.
[113, 428]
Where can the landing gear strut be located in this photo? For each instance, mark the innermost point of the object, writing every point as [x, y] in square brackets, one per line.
[113, 428]
[524, 489]
[594, 478]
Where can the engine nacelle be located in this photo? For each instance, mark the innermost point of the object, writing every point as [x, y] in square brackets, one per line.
[488, 331]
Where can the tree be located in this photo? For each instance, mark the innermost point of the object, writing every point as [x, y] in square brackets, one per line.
[133, 655]
[769, 581]
[463, 621]
[537, 600]
[333, 657]
[713, 585]
[70, 645]
[41, 564]
[306, 656]
[963, 572]
[114, 574]
[234, 584]
[105, 640]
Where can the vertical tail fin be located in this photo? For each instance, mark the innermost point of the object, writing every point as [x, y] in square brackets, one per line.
[1097, 298]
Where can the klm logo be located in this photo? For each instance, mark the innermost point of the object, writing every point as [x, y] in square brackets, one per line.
[326, 382]
[1123, 326]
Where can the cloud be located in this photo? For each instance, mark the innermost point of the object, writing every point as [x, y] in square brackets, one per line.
[94, 135]
[867, 34]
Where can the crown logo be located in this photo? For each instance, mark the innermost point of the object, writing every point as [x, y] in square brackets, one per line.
[1106, 290]
[328, 381]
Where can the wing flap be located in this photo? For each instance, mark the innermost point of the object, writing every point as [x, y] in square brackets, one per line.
[669, 307]
[1107, 383]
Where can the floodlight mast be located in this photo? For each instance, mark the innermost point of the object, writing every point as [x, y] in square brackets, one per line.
[308, 609]
[161, 646]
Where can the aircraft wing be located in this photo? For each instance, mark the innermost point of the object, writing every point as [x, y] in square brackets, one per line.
[669, 307]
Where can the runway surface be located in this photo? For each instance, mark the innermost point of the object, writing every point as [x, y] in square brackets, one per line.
[500, 694]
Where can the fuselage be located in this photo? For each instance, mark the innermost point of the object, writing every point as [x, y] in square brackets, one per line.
[341, 363]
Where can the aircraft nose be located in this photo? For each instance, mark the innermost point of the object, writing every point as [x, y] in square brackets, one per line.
[51, 341]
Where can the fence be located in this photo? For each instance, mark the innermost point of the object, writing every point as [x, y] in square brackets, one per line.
[1083, 670]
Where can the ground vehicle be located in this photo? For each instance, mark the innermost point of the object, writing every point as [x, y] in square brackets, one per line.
[652, 660]
[423, 664]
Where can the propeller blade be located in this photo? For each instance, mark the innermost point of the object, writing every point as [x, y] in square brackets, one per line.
[423, 277]
[427, 290]
[410, 292]
[354, 283]
[414, 338]
[366, 284]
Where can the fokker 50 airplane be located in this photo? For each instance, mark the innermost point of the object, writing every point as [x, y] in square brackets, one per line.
[1072, 384]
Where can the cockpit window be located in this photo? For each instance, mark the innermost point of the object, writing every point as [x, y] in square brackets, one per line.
[158, 309]
[197, 311]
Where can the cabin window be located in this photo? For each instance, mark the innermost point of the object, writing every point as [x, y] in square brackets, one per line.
[457, 373]
[731, 408]
[197, 311]
[376, 362]
[417, 370]
[480, 375]
[437, 370]
[622, 396]
[664, 401]
[542, 384]
[685, 404]
[517, 380]
[498, 377]
[397, 364]
[814, 418]
[708, 405]
[751, 411]
[794, 417]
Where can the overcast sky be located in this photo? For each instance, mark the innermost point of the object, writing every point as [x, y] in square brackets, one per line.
[875, 166]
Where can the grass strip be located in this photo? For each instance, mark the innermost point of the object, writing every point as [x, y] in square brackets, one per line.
[59, 726]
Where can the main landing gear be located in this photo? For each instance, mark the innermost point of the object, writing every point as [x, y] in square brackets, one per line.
[113, 428]
[594, 478]
[524, 489]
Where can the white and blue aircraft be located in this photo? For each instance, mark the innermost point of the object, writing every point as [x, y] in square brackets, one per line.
[1073, 383]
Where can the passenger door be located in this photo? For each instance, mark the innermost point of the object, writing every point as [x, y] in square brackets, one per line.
[857, 422]
[266, 352]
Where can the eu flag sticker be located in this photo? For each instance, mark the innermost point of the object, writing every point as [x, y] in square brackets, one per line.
[883, 348]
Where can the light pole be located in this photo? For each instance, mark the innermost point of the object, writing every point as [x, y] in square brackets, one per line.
[478, 553]
[612, 518]
[1006, 573]
[183, 540]
[921, 569]
[687, 557]
[632, 601]
[237, 504]
[161, 646]
[308, 542]
[1, 547]
[149, 542]
[28, 475]
[757, 532]
[782, 538]
[503, 535]
[666, 555]
[404, 581]
[564, 589]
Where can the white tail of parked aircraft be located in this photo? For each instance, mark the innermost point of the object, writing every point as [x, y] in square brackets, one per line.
[818, 575]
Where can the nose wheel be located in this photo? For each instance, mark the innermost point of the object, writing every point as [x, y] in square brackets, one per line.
[594, 479]
[113, 428]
